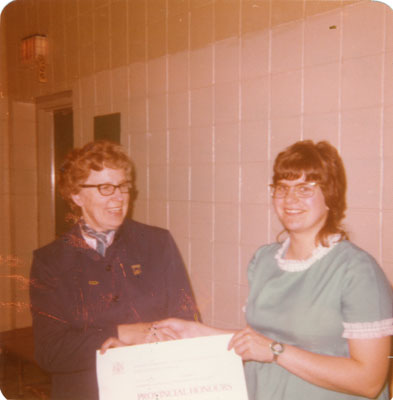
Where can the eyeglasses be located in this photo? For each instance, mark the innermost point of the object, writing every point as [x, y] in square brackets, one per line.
[302, 190]
[107, 189]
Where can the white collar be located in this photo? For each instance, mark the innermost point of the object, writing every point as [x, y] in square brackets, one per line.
[301, 265]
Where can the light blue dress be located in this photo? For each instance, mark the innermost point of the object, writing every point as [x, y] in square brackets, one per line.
[342, 294]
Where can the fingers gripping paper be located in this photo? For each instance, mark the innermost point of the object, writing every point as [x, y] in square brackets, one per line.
[188, 369]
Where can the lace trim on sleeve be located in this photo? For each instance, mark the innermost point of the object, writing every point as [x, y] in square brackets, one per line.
[368, 330]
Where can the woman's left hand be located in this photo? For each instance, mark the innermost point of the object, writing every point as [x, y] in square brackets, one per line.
[110, 343]
[251, 345]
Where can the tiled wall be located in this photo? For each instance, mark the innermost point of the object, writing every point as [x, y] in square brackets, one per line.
[204, 125]
[209, 92]
[5, 241]
[23, 215]
[91, 36]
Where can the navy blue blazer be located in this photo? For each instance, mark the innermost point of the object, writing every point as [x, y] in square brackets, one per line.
[79, 297]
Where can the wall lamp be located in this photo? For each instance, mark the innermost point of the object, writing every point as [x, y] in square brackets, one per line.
[34, 52]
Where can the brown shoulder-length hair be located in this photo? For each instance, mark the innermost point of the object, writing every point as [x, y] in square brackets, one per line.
[321, 163]
[80, 161]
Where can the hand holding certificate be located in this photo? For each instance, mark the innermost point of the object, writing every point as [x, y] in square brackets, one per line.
[198, 368]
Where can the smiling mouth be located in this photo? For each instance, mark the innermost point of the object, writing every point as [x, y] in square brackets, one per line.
[293, 211]
[115, 210]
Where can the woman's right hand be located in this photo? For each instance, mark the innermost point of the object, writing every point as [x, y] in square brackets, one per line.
[139, 333]
[144, 332]
[251, 345]
[187, 329]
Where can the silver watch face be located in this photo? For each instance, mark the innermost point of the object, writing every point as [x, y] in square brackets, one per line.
[277, 348]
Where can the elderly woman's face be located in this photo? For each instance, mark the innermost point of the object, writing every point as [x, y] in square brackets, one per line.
[103, 212]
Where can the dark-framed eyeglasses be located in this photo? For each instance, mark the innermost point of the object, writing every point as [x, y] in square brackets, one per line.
[302, 190]
[107, 189]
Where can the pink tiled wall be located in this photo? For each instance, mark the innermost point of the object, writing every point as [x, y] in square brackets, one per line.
[22, 217]
[5, 240]
[204, 125]
[209, 92]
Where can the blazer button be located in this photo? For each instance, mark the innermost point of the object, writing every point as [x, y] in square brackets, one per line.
[115, 299]
[108, 267]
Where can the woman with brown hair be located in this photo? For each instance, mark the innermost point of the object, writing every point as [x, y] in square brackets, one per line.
[319, 311]
[105, 281]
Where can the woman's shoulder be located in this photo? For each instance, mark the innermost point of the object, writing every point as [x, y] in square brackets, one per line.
[57, 257]
[146, 235]
[131, 225]
[356, 265]
[268, 249]
[70, 238]
[353, 256]
[263, 254]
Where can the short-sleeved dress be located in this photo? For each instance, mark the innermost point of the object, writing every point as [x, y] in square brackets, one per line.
[316, 305]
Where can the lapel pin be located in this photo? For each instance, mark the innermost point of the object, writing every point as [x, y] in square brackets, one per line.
[136, 269]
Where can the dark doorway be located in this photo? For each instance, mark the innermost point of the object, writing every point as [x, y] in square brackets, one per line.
[107, 127]
[63, 143]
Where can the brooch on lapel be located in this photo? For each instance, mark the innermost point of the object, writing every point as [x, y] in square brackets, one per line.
[136, 269]
[93, 283]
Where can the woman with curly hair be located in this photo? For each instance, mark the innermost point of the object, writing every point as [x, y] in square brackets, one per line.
[106, 281]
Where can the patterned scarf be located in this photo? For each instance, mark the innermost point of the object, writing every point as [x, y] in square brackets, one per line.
[103, 239]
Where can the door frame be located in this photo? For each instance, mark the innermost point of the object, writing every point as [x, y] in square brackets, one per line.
[45, 107]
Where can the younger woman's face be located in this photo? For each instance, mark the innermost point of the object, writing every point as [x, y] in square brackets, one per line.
[301, 215]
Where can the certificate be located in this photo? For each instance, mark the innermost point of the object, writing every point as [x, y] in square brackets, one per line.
[187, 369]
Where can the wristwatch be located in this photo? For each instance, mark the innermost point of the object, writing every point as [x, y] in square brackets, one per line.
[276, 348]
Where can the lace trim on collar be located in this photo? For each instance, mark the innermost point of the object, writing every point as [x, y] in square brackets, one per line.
[302, 265]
